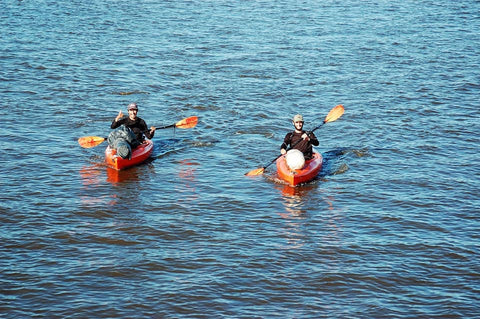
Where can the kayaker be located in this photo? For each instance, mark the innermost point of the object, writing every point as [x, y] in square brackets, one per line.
[299, 139]
[135, 123]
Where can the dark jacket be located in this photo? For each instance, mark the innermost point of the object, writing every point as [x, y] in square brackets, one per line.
[304, 146]
[139, 127]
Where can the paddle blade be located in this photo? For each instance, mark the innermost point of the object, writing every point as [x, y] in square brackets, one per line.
[255, 172]
[188, 122]
[90, 141]
[334, 113]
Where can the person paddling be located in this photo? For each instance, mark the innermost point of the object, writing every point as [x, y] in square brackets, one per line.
[135, 123]
[333, 115]
[300, 139]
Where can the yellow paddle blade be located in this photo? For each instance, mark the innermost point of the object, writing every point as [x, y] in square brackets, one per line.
[255, 172]
[188, 122]
[90, 141]
[334, 113]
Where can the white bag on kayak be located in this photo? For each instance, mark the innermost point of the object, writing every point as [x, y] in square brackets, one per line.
[295, 159]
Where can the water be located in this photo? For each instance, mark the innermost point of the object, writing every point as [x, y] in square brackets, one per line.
[388, 230]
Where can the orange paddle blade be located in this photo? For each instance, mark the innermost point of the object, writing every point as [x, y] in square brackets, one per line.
[334, 113]
[255, 172]
[90, 141]
[188, 122]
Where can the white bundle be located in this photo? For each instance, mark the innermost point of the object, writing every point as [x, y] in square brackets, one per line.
[295, 159]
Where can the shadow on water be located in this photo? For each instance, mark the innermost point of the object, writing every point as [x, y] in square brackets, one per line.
[164, 147]
[336, 161]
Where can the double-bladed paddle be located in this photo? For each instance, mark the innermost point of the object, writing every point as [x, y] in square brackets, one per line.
[333, 115]
[92, 141]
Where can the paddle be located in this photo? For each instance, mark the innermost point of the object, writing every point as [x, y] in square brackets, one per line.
[333, 115]
[188, 122]
[92, 141]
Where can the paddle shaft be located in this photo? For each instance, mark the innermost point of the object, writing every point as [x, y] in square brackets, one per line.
[188, 122]
[166, 126]
[162, 127]
[158, 128]
[92, 141]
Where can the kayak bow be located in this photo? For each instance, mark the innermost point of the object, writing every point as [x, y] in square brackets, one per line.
[139, 155]
[294, 177]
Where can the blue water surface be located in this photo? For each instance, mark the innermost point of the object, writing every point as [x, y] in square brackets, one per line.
[389, 229]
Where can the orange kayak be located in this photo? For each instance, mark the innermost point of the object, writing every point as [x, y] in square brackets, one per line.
[139, 155]
[307, 173]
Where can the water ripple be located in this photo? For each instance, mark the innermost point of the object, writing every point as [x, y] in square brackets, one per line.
[388, 229]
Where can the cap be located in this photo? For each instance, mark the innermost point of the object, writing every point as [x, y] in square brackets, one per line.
[298, 118]
[132, 106]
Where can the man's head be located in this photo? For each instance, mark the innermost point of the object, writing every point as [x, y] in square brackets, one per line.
[298, 122]
[132, 110]
[132, 106]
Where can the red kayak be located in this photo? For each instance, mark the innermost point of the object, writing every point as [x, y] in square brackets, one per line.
[307, 173]
[139, 155]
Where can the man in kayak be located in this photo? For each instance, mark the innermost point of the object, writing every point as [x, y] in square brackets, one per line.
[299, 139]
[133, 122]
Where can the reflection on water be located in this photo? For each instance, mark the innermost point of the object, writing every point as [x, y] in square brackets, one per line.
[128, 175]
[294, 215]
[297, 203]
[93, 177]
[292, 200]
[186, 185]
[95, 174]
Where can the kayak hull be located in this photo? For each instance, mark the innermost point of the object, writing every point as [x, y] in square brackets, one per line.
[139, 155]
[294, 177]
